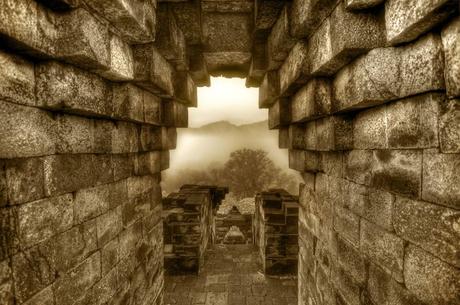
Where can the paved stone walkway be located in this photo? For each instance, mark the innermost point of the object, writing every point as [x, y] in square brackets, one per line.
[230, 276]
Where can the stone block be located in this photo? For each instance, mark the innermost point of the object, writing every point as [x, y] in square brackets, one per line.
[10, 236]
[152, 71]
[280, 41]
[361, 4]
[279, 114]
[4, 186]
[109, 225]
[449, 126]
[351, 260]
[451, 44]
[347, 288]
[378, 208]
[6, 286]
[346, 224]
[382, 248]
[406, 22]
[283, 137]
[333, 45]
[109, 255]
[165, 156]
[369, 129]
[258, 65]
[295, 71]
[125, 138]
[103, 290]
[135, 20]
[17, 79]
[91, 202]
[65, 87]
[102, 169]
[296, 136]
[358, 166]
[230, 64]
[44, 297]
[175, 114]
[441, 178]
[185, 89]
[153, 138]
[414, 221]
[20, 185]
[129, 238]
[73, 285]
[335, 132]
[332, 164]
[269, 89]
[311, 139]
[152, 109]
[303, 161]
[266, 13]
[75, 135]
[57, 169]
[307, 15]
[121, 64]
[431, 280]
[128, 102]
[188, 17]
[312, 101]
[103, 136]
[408, 70]
[148, 163]
[123, 166]
[198, 68]
[25, 132]
[397, 171]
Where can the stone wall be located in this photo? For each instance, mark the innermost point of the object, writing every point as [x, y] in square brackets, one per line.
[225, 221]
[189, 222]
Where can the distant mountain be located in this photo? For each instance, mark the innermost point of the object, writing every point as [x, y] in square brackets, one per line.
[227, 127]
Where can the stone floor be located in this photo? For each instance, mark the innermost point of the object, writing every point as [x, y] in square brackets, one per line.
[231, 276]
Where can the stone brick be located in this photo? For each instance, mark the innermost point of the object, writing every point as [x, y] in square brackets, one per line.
[312, 101]
[65, 87]
[346, 223]
[139, 198]
[369, 129]
[431, 280]
[386, 74]
[6, 284]
[441, 178]
[296, 136]
[302, 160]
[148, 163]
[25, 132]
[102, 172]
[415, 220]
[73, 285]
[279, 114]
[333, 45]
[135, 20]
[378, 208]
[129, 238]
[266, 13]
[103, 290]
[44, 297]
[123, 166]
[91, 202]
[185, 89]
[17, 79]
[233, 64]
[102, 136]
[332, 163]
[153, 138]
[397, 171]
[382, 248]
[258, 65]
[295, 70]
[351, 260]
[121, 63]
[269, 89]
[39, 220]
[199, 68]
[128, 102]
[109, 255]
[382, 289]
[108, 225]
[9, 239]
[152, 109]
[4, 186]
[449, 126]
[347, 288]
[335, 132]
[307, 15]
[74, 135]
[361, 4]
[165, 157]
[280, 42]
[57, 169]
[358, 166]
[451, 43]
[175, 114]
[311, 139]
[22, 185]
[125, 138]
[406, 22]
[283, 137]
[152, 71]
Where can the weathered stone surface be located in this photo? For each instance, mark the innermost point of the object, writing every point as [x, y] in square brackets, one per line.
[153, 138]
[65, 87]
[44, 297]
[258, 65]
[125, 138]
[358, 166]
[431, 280]
[307, 15]
[6, 284]
[123, 166]
[20, 184]
[280, 42]
[311, 139]
[4, 186]
[335, 132]
[370, 128]
[409, 70]
[303, 161]
[378, 208]
[312, 101]
[347, 288]
[296, 136]
[232, 64]
[346, 223]
[279, 114]
[397, 171]
[382, 248]
[451, 44]
[429, 226]
[405, 22]
[449, 126]
[198, 67]
[121, 64]
[109, 255]
[25, 132]
[185, 89]
[148, 163]
[441, 178]
[266, 13]
[128, 102]
[39, 220]
[361, 4]
[91, 202]
[269, 89]
[188, 17]
[103, 136]
[17, 79]
[9, 240]
[152, 71]
[351, 260]
[152, 109]
[295, 71]
[74, 134]
[108, 226]
[175, 114]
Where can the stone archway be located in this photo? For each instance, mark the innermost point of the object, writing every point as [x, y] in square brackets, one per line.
[364, 94]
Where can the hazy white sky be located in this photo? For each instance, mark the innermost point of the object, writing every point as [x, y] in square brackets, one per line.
[227, 99]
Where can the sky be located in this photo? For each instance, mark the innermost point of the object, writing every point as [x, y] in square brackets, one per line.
[227, 99]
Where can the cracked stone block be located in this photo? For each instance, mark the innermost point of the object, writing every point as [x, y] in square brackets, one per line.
[335, 132]
[128, 102]
[295, 71]
[152, 109]
[269, 89]
[431, 280]
[441, 178]
[65, 87]
[407, 21]
[17, 79]
[386, 74]
[125, 138]
[109, 225]
[25, 132]
[175, 114]
[449, 126]
[74, 134]
[279, 114]
[280, 42]
[152, 71]
[358, 166]
[333, 45]
[121, 67]
[451, 43]
[383, 248]
[414, 221]
[307, 15]
[20, 185]
[135, 20]
[362, 4]
[185, 89]
[312, 101]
